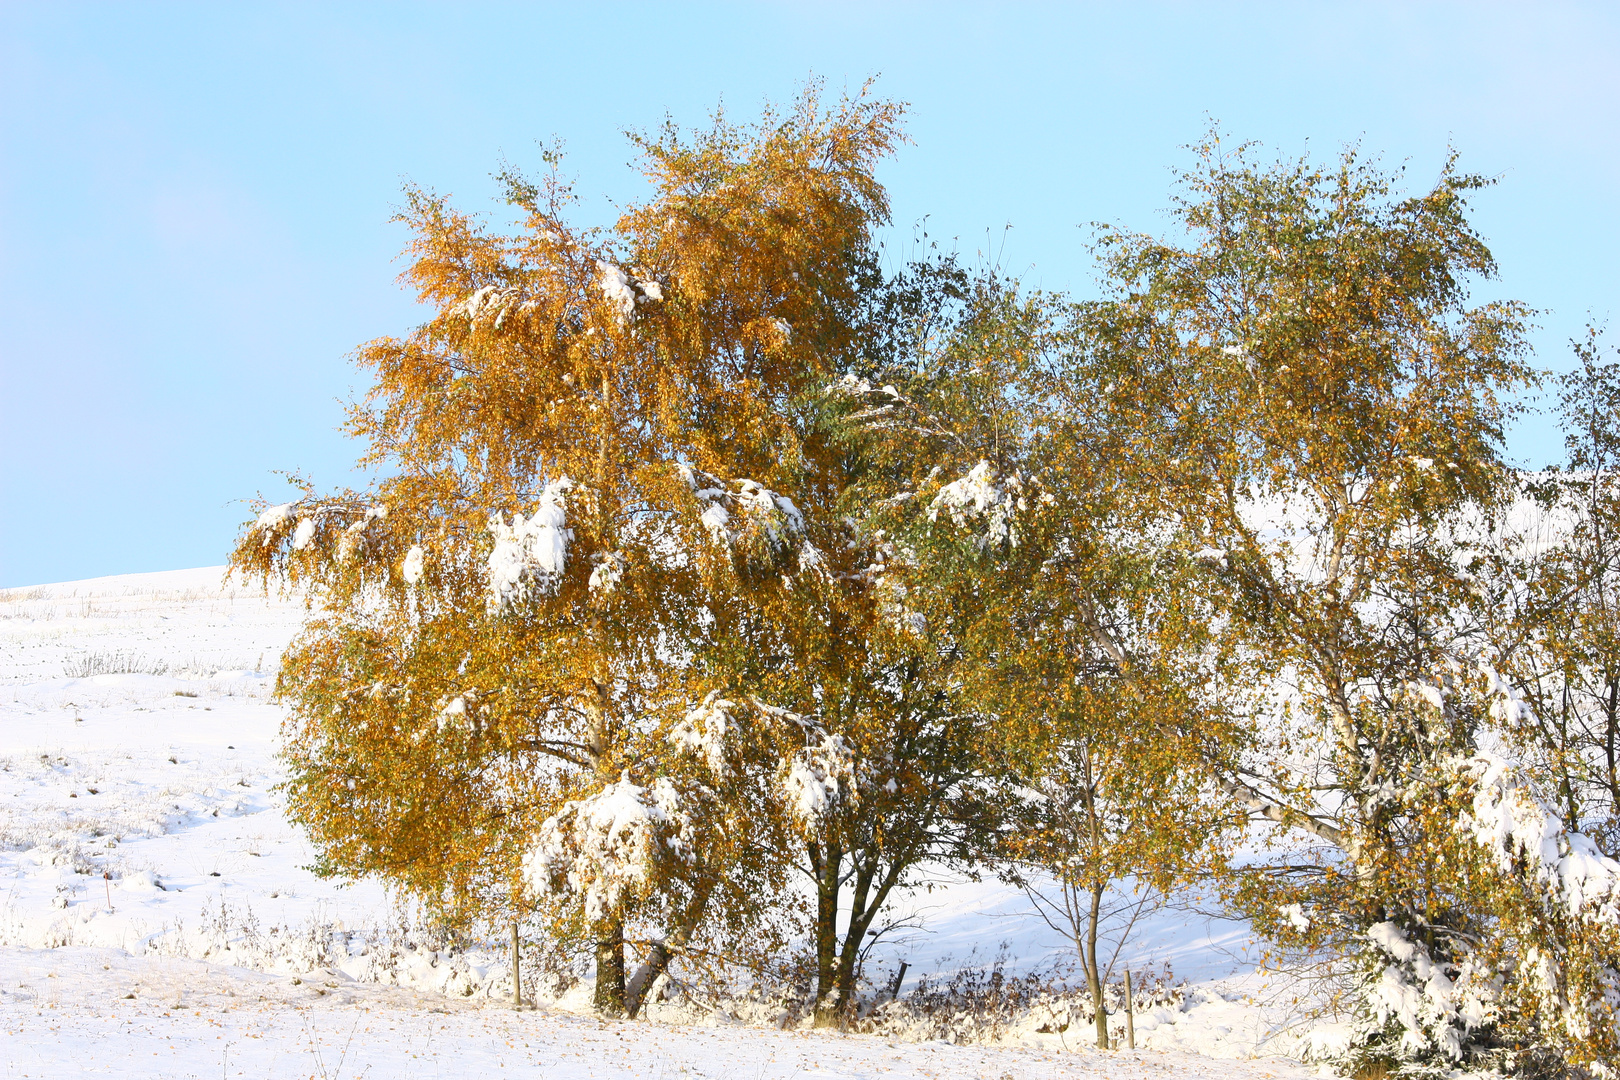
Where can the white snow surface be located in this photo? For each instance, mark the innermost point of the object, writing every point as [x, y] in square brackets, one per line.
[157, 917]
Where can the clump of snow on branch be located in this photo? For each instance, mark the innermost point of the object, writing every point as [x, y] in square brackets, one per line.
[817, 779]
[353, 537]
[1507, 704]
[624, 291]
[1428, 692]
[775, 513]
[303, 534]
[454, 712]
[492, 303]
[1525, 837]
[980, 495]
[850, 386]
[415, 564]
[529, 555]
[893, 601]
[743, 511]
[880, 406]
[273, 520]
[606, 573]
[606, 848]
[616, 290]
[702, 731]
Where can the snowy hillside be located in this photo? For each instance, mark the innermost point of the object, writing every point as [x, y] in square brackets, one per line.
[156, 919]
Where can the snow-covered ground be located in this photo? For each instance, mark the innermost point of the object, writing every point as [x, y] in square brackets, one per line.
[156, 918]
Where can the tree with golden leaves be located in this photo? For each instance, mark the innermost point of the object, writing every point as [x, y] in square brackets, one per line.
[876, 760]
[515, 630]
[1318, 410]
[1022, 549]
[1557, 596]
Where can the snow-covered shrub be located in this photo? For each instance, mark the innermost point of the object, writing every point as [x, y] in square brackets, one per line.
[113, 662]
[1555, 900]
[1421, 1005]
[1501, 947]
[986, 1004]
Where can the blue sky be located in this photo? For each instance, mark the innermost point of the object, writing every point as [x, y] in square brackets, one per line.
[195, 199]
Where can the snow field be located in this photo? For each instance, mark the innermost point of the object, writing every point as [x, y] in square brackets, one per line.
[67, 1009]
[157, 918]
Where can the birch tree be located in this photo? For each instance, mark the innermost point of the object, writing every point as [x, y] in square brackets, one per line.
[1029, 553]
[509, 628]
[1320, 408]
[1557, 600]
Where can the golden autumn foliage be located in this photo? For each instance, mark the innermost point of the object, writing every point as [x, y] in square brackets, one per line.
[551, 570]
[1318, 408]
[720, 578]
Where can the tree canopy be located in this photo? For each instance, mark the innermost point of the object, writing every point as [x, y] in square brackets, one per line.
[721, 577]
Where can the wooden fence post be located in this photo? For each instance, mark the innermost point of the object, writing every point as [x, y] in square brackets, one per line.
[517, 975]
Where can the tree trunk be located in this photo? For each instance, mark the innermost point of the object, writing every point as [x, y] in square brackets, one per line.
[1099, 1003]
[1088, 958]
[662, 952]
[827, 861]
[517, 973]
[837, 961]
[610, 971]
[860, 918]
[609, 1000]
[1130, 1012]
